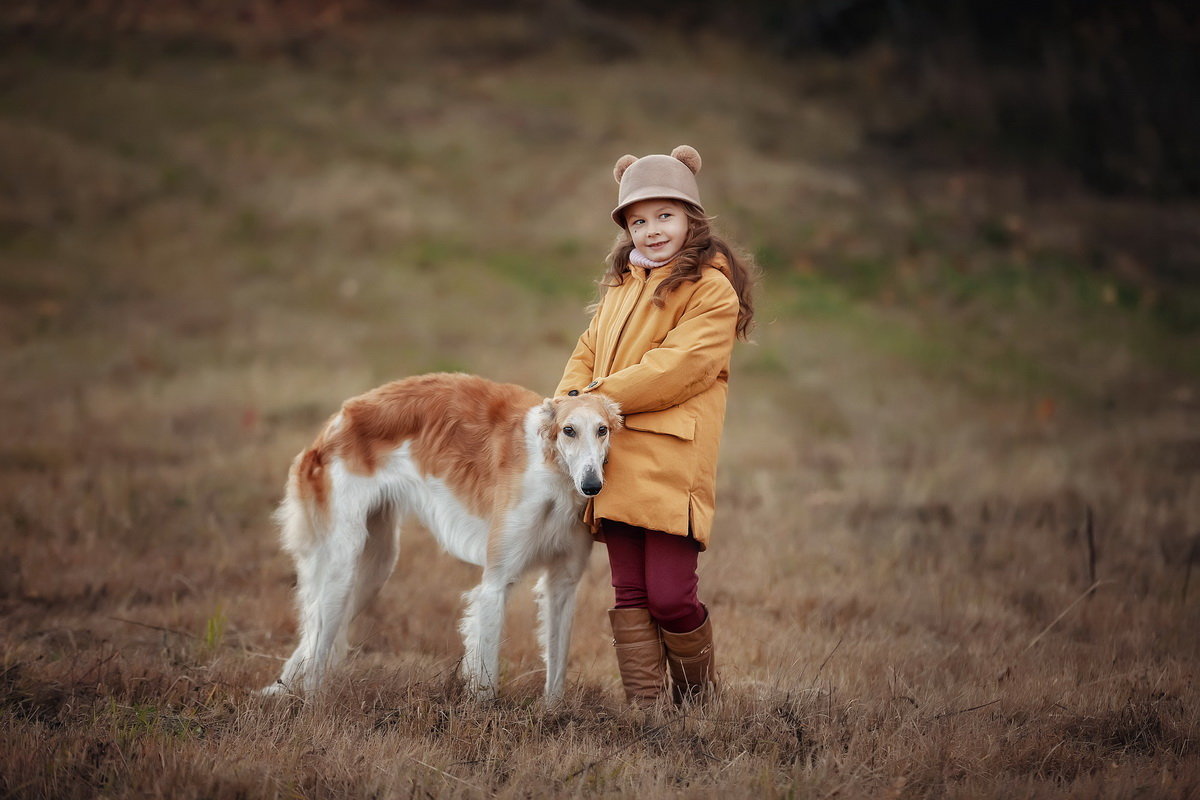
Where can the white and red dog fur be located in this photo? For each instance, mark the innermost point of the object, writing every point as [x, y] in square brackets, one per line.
[495, 472]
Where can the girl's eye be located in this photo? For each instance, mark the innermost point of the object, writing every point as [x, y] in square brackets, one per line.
[569, 431]
[664, 215]
[601, 431]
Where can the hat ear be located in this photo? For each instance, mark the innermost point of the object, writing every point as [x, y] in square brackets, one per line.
[623, 164]
[688, 155]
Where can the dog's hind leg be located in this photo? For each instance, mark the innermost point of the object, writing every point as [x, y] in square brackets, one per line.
[555, 592]
[325, 580]
[375, 565]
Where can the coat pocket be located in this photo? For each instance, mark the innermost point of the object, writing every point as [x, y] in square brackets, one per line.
[677, 422]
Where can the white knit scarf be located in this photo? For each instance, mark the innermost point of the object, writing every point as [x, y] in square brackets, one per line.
[638, 259]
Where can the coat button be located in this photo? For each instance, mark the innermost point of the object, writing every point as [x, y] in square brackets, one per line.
[573, 393]
[593, 384]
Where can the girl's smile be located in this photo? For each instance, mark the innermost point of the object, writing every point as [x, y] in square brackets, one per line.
[658, 227]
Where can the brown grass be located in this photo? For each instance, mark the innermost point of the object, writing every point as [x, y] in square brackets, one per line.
[203, 255]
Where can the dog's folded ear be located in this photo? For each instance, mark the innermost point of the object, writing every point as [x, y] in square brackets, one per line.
[614, 410]
[546, 418]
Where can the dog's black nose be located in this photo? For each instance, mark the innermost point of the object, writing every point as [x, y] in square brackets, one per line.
[591, 489]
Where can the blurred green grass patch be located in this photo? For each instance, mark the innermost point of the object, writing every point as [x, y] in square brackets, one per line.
[430, 253]
[771, 257]
[812, 295]
[549, 273]
[863, 276]
[766, 360]
[213, 634]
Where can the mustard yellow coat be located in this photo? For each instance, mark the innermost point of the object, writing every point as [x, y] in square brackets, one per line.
[669, 370]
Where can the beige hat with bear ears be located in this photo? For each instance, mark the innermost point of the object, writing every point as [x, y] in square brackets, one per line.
[672, 176]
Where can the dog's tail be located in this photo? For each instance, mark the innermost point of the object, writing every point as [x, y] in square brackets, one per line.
[303, 515]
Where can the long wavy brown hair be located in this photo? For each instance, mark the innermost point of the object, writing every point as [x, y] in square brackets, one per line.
[701, 248]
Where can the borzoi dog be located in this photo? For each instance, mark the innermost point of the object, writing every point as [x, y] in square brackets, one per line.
[496, 473]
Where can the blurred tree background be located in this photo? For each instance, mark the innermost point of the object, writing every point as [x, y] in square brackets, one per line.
[1094, 94]
[908, 151]
[1102, 87]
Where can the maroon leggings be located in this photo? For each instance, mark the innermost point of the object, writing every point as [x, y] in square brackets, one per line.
[657, 571]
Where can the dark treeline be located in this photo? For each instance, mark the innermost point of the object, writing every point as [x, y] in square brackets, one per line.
[1106, 88]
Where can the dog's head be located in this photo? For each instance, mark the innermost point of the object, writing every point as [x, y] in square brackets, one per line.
[576, 433]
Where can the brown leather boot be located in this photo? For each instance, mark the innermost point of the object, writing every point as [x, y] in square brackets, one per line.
[691, 662]
[640, 655]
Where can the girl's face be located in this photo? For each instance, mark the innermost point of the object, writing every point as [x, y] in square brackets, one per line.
[658, 227]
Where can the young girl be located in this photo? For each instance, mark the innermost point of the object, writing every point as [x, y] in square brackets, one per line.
[675, 298]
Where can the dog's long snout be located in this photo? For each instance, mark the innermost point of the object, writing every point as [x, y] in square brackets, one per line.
[591, 483]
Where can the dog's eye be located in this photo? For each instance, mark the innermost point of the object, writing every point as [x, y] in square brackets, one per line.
[569, 431]
[601, 431]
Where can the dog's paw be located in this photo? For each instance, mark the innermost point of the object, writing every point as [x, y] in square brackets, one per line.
[276, 689]
[481, 693]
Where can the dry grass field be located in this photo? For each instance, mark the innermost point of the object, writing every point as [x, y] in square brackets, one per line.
[958, 543]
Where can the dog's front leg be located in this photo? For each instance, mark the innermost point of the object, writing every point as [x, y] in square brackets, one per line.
[556, 592]
[481, 628]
